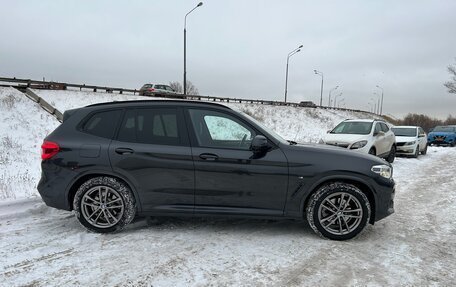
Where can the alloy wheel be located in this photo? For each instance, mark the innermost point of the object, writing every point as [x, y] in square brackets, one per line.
[340, 213]
[102, 206]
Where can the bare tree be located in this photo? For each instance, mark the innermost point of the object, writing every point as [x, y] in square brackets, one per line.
[191, 89]
[451, 85]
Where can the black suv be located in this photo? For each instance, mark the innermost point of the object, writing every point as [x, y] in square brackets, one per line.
[109, 162]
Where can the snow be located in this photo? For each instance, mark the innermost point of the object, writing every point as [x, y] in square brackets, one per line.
[41, 246]
[23, 126]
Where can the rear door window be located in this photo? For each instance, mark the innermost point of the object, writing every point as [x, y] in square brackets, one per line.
[151, 126]
[102, 124]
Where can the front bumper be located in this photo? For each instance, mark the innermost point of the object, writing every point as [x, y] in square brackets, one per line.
[406, 150]
[385, 199]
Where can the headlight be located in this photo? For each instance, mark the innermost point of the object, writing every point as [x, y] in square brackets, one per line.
[359, 144]
[383, 170]
[410, 143]
[321, 141]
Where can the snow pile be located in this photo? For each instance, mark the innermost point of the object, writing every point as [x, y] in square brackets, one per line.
[293, 123]
[23, 126]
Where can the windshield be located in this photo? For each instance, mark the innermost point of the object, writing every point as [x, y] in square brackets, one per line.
[404, 132]
[355, 128]
[268, 130]
[444, 129]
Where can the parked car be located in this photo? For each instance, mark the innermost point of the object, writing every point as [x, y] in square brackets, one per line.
[410, 140]
[109, 162]
[442, 135]
[365, 136]
[308, 104]
[156, 90]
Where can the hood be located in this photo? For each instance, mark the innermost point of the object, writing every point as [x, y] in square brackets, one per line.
[334, 151]
[343, 138]
[402, 139]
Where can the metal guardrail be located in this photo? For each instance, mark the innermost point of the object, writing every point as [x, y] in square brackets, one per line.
[28, 83]
[45, 105]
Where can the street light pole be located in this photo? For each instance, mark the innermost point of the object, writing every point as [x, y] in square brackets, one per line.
[329, 97]
[335, 98]
[375, 105]
[381, 107]
[321, 89]
[378, 103]
[185, 47]
[286, 73]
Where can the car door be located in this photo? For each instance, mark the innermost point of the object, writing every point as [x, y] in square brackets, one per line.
[379, 139]
[229, 178]
[422, 138]
[152, 150]
[389, 137]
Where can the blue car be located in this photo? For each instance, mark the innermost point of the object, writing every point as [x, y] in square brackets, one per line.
[442, 135]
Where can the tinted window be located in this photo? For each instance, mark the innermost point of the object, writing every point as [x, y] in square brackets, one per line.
[444, 129]
[102, 124]
[404, 132]
[150, 126]
[385, 127]
[378, 128]
[215, 129]
[359, 128]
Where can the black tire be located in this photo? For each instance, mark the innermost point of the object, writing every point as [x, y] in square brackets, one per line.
[317, 212]
[417, 152]
[391, 155]
[425, 150]
[110, 202]
[452, 144]
[372, 151]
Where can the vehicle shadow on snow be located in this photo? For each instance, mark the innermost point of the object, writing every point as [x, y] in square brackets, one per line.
[216, 225]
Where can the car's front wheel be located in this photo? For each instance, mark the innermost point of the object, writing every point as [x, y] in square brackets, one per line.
[104, 204]
[391, 155]
[423, 152]
[338, 211]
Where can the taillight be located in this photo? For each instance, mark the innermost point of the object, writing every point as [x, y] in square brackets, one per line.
[49, 149]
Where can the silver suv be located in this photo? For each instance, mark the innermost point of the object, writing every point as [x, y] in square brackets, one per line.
[367, 136]
[156, 90]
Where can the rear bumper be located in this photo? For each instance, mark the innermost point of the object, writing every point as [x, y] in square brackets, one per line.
[53, 186]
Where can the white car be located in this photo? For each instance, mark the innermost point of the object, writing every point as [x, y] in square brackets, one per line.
[366, 136]
[410, 140]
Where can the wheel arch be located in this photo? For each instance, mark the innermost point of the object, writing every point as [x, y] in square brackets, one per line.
[73, 187]
[359, 183]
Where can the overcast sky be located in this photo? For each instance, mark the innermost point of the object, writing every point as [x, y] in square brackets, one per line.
[239, 48]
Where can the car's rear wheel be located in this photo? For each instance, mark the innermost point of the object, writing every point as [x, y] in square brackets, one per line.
[338, 211]
[391, 155]
[104, 204]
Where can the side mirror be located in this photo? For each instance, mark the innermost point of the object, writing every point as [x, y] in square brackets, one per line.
[379, 133]
[259, 144]
[421, 135]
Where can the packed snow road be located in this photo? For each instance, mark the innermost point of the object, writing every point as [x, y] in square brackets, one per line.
[41, 246]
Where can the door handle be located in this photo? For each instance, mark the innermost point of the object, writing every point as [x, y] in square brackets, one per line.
[208, 156]
[124, 150]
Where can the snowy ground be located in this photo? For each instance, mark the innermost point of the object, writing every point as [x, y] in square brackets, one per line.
[40, 246]
[23, 125]
[415, 246]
